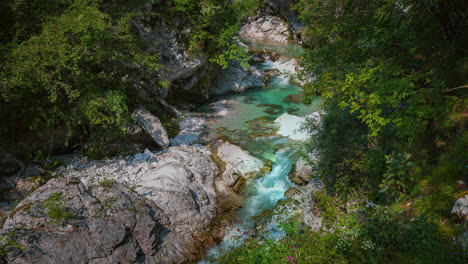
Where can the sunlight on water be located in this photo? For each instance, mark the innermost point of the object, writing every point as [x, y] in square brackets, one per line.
[247, 120]
[263, 194]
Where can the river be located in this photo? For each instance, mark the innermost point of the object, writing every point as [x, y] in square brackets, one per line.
[249, 123]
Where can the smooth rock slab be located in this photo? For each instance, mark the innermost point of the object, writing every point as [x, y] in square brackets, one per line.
[291, 126]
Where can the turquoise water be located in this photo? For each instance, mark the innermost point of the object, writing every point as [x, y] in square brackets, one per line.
[290, 50]
[249, 123]
[262, 194]
[244, 107]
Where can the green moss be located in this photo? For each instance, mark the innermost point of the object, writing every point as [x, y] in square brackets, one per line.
[107, 183]
[56, 209]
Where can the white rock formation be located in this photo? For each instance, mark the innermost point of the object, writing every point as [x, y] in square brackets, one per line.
[270, 28]
[290, 126]
[461, 207]
[239, 163]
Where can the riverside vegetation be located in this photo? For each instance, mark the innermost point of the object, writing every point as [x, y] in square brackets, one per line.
[67, 65]
[391, 149]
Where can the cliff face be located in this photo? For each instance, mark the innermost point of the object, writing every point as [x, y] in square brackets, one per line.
[284, 10]
[193, 78]
[190, 76]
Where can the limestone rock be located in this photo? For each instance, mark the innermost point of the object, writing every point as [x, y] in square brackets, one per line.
[153, 126]
[270, 28]
[303, 172]
[180, 181]
[291, 126]
[238, 162]
[461, 207]
[104, 225]
[293, 192]
[235, 79]
[311, 212]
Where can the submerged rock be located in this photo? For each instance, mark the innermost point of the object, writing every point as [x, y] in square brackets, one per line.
[153, 126]
[295, 98]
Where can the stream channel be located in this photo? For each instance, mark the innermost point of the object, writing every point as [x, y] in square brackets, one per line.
[249, 122]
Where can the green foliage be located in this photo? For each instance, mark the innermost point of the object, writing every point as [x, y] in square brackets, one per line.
[392, 74]
[398, 177]
[381, 234]
[389, 61]
[71, 72]
[57, 210]
[214, 26]
[67, 63]
[107, 183]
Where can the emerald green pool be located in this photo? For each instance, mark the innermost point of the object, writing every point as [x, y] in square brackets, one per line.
[248, 121]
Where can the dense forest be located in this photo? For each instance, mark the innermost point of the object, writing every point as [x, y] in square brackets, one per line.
[68, 66]
[391, 150]
[394, 140]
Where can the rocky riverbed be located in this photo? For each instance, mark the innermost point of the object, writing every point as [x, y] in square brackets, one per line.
[165, 206]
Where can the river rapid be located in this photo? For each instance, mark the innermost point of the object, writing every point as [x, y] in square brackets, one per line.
[251, 121]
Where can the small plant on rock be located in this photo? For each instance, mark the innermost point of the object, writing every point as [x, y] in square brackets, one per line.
[56, 209]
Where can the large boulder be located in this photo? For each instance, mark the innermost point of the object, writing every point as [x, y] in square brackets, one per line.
[291, 126]
[302, 173]
[153, 126]
[235, 79]
[238, 162]
[65, 222]
[180, 181]
[269, 28]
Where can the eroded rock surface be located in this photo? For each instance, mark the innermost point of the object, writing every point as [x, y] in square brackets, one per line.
[270, 28]
[193, 130]
[153, 126]
[239, 163]
[108, 224]
[461, 207]
[235, 79]
[178, 183]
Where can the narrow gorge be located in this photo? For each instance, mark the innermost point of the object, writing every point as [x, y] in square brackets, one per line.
[244, 131]
[230, 162]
